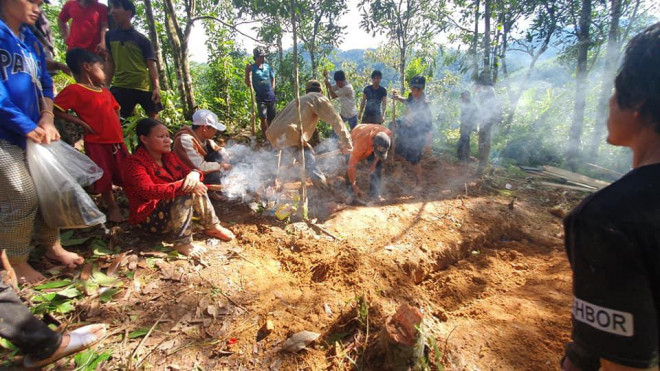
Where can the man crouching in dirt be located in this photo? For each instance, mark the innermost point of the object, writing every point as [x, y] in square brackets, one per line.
[283, 132]
[196, 148]
[613, 236]
[370, 142]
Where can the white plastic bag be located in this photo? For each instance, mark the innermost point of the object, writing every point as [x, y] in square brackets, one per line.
[79, 166]
[62, 201]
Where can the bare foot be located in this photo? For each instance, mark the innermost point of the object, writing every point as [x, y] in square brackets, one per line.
[26, 274]
[59, 254]
[220, 232]
[114, 215]
[190, 250]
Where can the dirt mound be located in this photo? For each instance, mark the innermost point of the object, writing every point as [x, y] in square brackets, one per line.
[484, 264]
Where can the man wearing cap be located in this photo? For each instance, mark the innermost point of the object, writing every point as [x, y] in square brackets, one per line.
[196, 148]
[314, 106]
[414, 130]
[263, 82]
[344, 91]
[371, 142]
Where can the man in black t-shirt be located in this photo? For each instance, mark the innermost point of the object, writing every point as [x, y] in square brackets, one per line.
[374, 101]
[613, 236]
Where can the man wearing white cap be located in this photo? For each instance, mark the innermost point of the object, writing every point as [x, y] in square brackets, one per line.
[196, 148]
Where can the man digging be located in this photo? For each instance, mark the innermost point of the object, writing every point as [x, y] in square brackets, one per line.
[283, 133]
[371, 142]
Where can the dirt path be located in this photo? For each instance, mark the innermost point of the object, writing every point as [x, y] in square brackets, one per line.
[490, 276]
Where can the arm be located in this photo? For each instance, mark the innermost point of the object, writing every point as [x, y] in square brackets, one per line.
[104, 29]
[109, 70]
[326, 113]
[248, 70]
[64, 28]
[197, 159]
[362, 103]
[60, 114]
[272, 79]
[332, 93]
[47, 121]
[155, 83]
[352, 167]
[138, 180]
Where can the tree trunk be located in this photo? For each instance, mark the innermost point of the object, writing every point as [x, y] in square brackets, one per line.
[171, 33]
[475, 43]
[179, 41]
[402, 67]
[155, 40]
[577, 126]
[611, 59]
[486, 70]
[303, 173]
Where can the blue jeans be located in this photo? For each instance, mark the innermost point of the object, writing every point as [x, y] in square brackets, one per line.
[352, 121]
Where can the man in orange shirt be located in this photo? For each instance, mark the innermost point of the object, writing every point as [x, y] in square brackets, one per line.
[370, 142]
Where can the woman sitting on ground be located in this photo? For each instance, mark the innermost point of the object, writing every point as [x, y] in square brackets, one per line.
[163, 192]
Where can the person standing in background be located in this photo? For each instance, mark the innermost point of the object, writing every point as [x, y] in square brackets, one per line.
[89, 23]
[131, 64]
[263, 82]
[374, 101]
[468, 121]
[344, 91]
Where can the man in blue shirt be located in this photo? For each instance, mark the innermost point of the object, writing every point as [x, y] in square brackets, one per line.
[263, 82]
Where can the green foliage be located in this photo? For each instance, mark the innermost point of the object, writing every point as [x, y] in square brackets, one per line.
[89, 360]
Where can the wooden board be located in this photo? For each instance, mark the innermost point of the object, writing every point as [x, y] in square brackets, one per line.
[567, 186]
[576, 178]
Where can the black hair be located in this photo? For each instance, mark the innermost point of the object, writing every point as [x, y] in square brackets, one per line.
[126, 4]
[340, 76]
[314, 89]
[144, 127]
[195, 127]
[77, 56]
[376, 73]
[638, 81]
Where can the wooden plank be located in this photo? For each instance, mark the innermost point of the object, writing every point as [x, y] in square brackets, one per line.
[566, 186]
[574, 177]
[563, 180]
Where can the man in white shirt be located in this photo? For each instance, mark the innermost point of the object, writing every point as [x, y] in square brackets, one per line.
[344, 91]
[196, 148]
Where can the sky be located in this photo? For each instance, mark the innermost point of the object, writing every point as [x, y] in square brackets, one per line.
[356, 38]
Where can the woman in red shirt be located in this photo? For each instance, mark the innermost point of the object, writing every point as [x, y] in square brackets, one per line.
[163, 192]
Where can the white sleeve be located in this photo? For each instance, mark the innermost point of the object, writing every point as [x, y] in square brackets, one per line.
[196, 158]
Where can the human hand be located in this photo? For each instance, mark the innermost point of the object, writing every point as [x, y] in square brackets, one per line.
[155, 96]
[36, 135]
[200, 189]
[190, 182]
[225, 166]
[50, 131]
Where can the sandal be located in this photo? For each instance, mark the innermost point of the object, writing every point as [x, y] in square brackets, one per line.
[79, 339]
